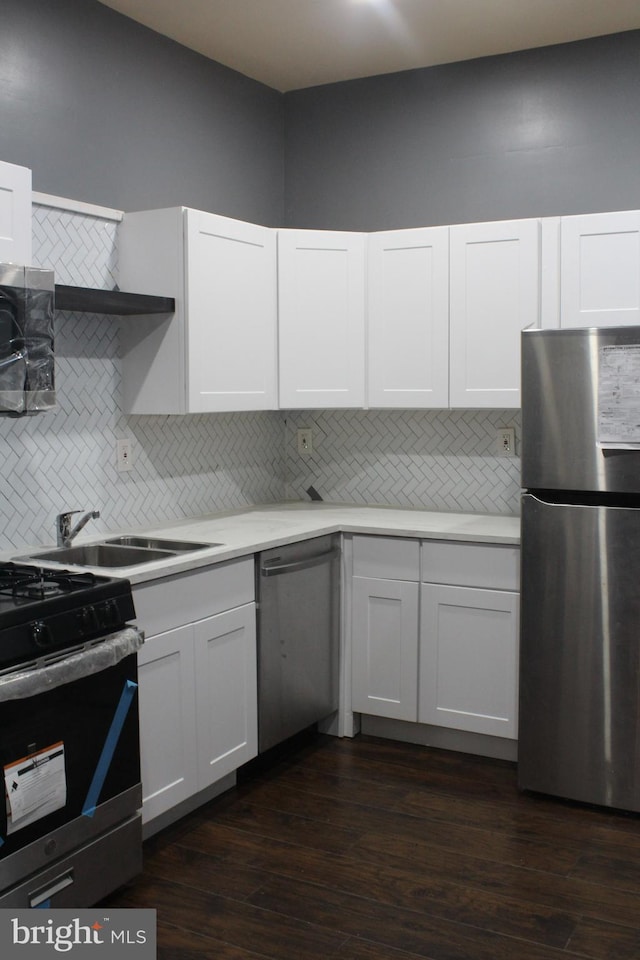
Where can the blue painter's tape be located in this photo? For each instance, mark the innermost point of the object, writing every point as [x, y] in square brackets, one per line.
[109, 748]
[43, 906]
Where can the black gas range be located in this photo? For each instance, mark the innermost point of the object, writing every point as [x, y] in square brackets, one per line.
[44, 610]
[70, 824]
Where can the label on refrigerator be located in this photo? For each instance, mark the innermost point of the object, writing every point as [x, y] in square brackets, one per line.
[619, 397]
[35, 786]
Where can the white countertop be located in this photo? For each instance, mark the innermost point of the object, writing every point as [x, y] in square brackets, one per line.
[247, 531]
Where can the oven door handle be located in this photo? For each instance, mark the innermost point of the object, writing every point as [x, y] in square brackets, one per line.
[46, 893]
[48, 673]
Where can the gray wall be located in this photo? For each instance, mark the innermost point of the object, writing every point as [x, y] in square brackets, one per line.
[107, 111]
[543, 132]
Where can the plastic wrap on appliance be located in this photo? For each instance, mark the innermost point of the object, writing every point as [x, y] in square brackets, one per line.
[41, 676]
[13, 373]
[27, 363]
[38, 336]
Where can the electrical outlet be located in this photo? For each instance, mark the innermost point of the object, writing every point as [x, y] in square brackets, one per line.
[123, 455]
[305, 442]
[506, 438]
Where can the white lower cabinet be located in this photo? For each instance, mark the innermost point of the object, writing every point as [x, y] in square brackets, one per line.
[469, 637]
[385, 627]
[167, 720]
[442, 652]
[385, 648]
[226, 692]
[197, 682]
[468, 659]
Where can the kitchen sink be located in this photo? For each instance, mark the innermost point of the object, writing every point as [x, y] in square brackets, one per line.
[157, 543]
[126, 551]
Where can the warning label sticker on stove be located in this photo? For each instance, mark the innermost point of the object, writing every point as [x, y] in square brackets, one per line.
[35, 786]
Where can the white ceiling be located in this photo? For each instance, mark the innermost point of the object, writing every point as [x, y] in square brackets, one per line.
[290, 44]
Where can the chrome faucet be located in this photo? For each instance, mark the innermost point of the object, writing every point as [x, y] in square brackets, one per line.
[63, 525]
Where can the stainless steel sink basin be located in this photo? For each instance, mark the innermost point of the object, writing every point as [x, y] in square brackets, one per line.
[125, 551]
[102, 555]
[157, 543]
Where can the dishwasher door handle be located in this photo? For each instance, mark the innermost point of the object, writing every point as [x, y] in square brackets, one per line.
[313, 561]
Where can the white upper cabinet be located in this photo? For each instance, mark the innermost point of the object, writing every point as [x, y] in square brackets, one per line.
[494, 295]
[321, 310]
[218, 351]
[600, 270]
[15, 214]
[408, 318]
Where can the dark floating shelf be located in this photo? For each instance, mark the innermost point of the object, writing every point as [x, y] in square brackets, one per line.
[116, 302]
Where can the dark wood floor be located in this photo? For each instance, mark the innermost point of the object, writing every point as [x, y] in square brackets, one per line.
[372, 850]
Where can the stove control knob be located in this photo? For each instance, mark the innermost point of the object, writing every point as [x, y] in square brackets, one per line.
[110, 615]
[88, 619]
[50, 847]
[41, 634]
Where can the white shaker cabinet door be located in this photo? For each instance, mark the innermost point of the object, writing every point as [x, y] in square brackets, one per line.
[232, 314]
[469, 659]
[408, 318]
[15, 214]
[218, 351]
[226, 692]
[167, 721]
[494, 295]
[321, 318]
[385, 648]
[600, 270]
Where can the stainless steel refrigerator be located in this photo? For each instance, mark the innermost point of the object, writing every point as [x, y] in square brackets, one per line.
[580, 606]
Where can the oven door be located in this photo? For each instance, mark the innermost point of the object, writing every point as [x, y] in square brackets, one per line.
[69, 752]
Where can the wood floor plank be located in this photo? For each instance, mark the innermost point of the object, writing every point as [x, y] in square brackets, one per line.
[178, 944]
[392, 886]
[198, 868]
[396, 927]
[240, 923]
[479, 840]
[605, 941]
[532, 886]
[372, 850]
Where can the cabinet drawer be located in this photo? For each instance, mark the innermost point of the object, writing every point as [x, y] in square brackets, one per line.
[386, 558]
[494, 565]
[162, 605]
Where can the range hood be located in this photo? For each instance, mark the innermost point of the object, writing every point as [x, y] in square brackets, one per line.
[115, 302]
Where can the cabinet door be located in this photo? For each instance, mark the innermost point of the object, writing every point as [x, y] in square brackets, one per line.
[408, 318]
[167, 721]
[226, 692]
[15, 214]
[231, 314]
[469, 659]
[321, 294]
[494, 294]
[385, 648]
[600, 270]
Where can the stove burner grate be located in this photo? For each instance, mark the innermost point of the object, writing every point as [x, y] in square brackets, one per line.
[22, 584]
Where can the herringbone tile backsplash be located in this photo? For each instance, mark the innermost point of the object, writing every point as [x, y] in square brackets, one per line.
[66, 458]
[435, 459]
[187, 466]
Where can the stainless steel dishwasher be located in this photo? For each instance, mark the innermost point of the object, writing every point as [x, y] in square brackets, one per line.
[298, 589]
